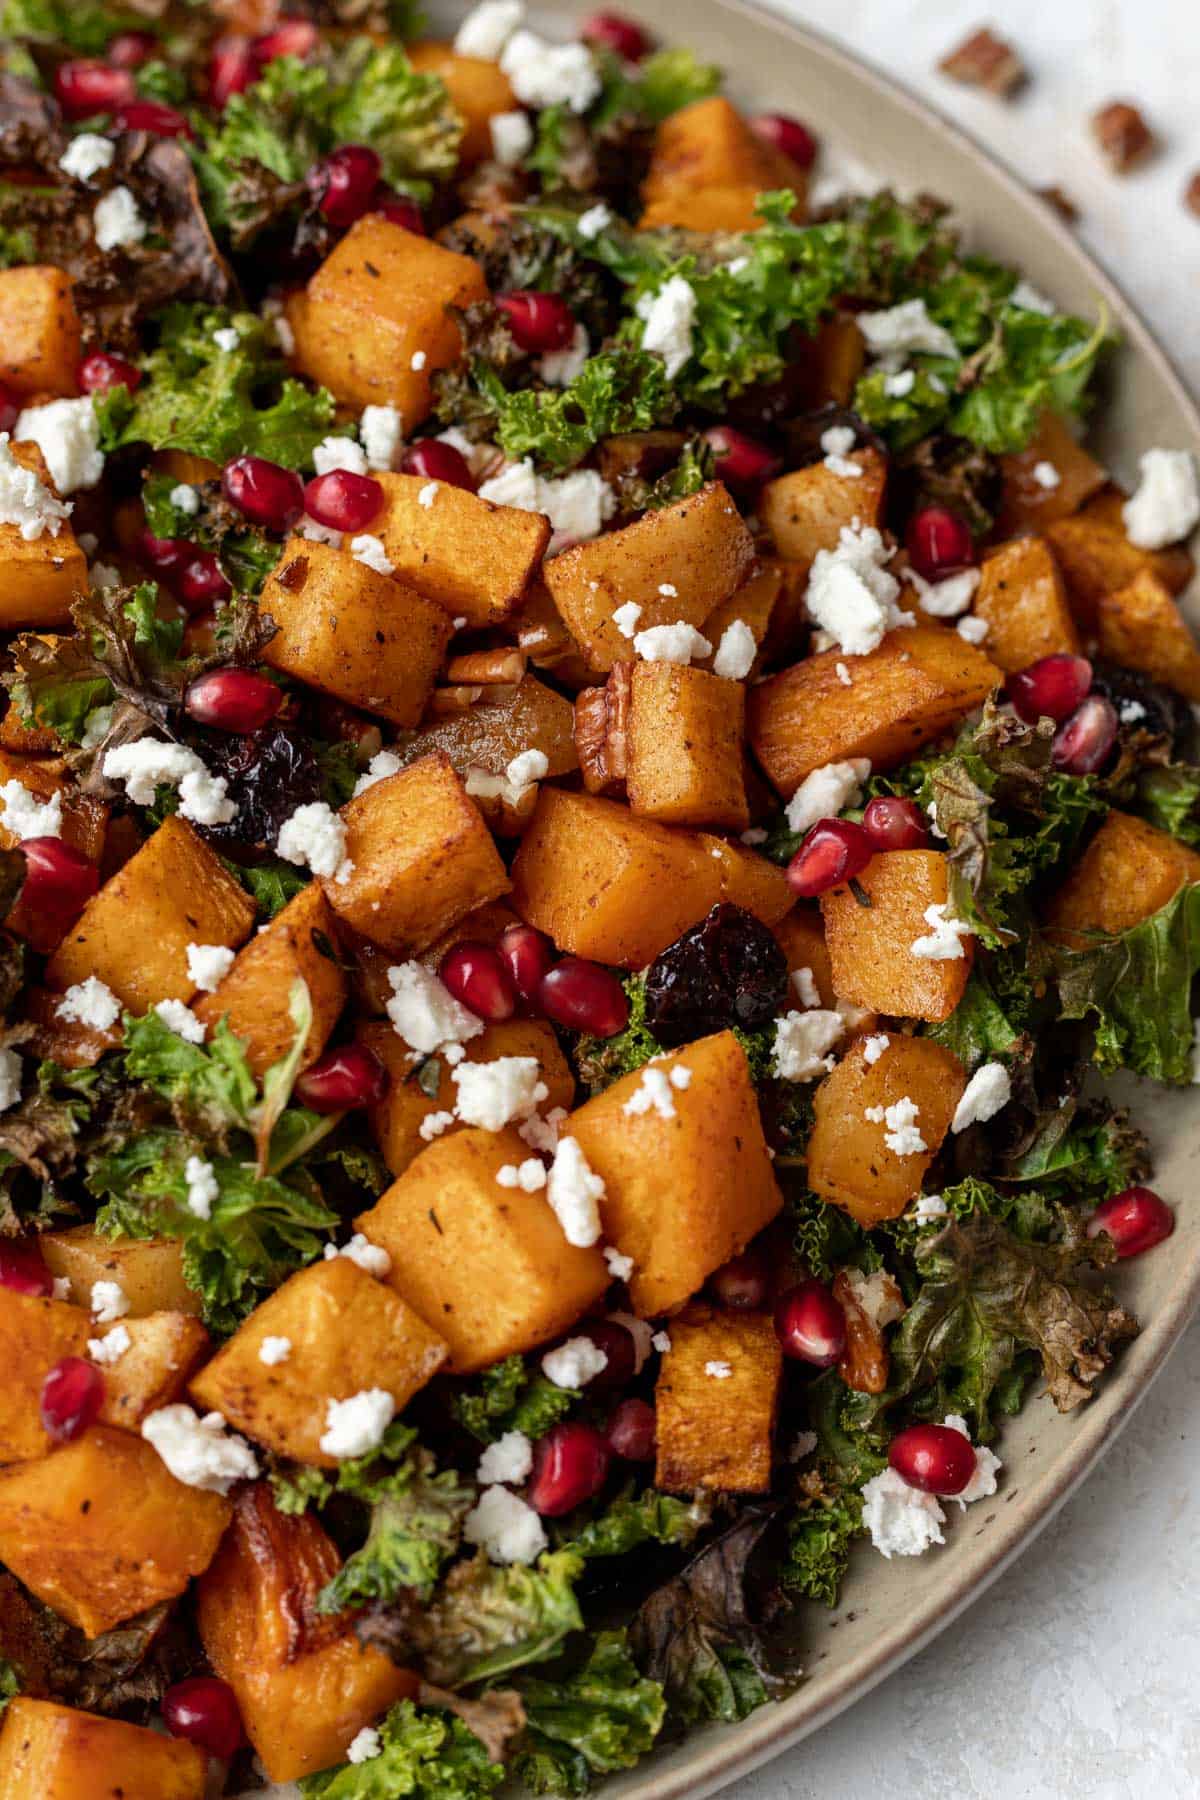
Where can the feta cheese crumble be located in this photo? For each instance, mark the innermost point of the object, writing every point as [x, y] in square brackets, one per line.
[902, 1137]
[558, 368]
[274, 1350]
[116, 220]
[433, 1125]
[1166, 506]
[315, 835]
[202, 1186]
[851, 594]
[948, 598]
[900, 330]
[902, 1520]
[735, 652]
[110, 1348]
[929, 1206]
[512, 137]
[802, 1044]
[506, 1526]
[661, 1341]
[381, 765]
[619, 1267]
[25, 500]
[667, 319]
[573, 1191]
[654, 1094]
[529, 1176]
[485, 30]
[67, 432]
[197, 1450]
[510, 1458]
[595, 220]
[946, 933]
[11, 1071]
[339, 453]
[544, 74]
[109, 1302]
[417, 361]
[899, 385]
[185, 499]
[181, 1020]
[826, 792]
[528, 767]
[424, 1012]
[805, 988]
[493, 1094]
[626, 617]
[574, 1363]
[364, 1746]
[86, 155]
[381, 429]
[356, 1426]
[371, 1258]
[369, 550]
[837, 444]
[718, 1371]
[577, 505]
[989, 1089]
[426, 497]
[208, 965]
[1047, 476]
[875, 1046]
[679, 643]
[147, 764]
[25, 816]
[972, 630]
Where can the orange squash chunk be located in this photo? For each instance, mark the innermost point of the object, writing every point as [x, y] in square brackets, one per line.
[164, 1348]
[1141, 627]
[149, 1271]
[477, 89]
[1097, 558]
[1128, 871]
[51, 1752]
[709, 145]
[1027, 504]
[685, 747]
[40, 333]
[1022, 596]
[34, 1335]
[870, 947]
[714, 1432]
[807, 510]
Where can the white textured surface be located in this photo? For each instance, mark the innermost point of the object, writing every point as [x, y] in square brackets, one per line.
[1075, 1676]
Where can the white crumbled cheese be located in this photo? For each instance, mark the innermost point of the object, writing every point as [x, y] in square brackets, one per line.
[929, 1206]
[25, 500]
[1166, 507]
[424, 1012]
[102, 575]
[837, 443]
[737, 264]
[661, 1341]
[753, 837]
[185, 499]
[493, 1094]
[843, 674]
[619, 1267]
[577, 505]
[982, 1484]
[339, 453]
[718, 1371]
[90, 1002]
[510, 1458]
[148, 764]
[902, 1520]
[22, 814]
[485, 31]
[86, 155]
[626, 617]
[477, 457]
[482, 785]
[899, 385]
[875, 1046]
[879, 1296]
[197, 1450]
[681, 1077]
[989, 1089]
[316, 533]
[364, 1746]
[425, 498]
[972, 630]
[315, 835]
[544, 74]
[417, 361]
[274, 1350]
[528, 767]
[433, 1125]
[901, 330]
[595, 220]
[381, 765]
[226, 337]
[110, 1348]
[67, 432]
[805, 988]
[653, 1095]
[109, 1302]
[11, 1070]
[1030, 299]
[948, 598]
[946, 933]
[573, 1191]
[381, 429]
[667, 319]
[512, 137]
[1047, 476]
[117, 221]
[1130, 711]
[679, 643]
[735, 652]
[371, 1258]
[208, 965]
[181, 1020]
[62, 1288]
[529, 1176]
[354, 1427]
[851, 595]
[370, 551]
[826, 792]
[558, 368]
[542, 1134]
[668, 590]
[902, 1136]
[802, 1044]
[574, 1363]
[506, 1526]
[202, 1186]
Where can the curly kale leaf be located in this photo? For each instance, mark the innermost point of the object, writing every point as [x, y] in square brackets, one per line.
[378, 98]
[826, 1238]
[246, 554]
[416, 1522]
[423, 1753]
[1078, 1153]
[615, 391]
[486, 1620]
[819, 1537]
[661, 84]
[1137, 989]
[604, 1716]
[86, 28]
[1169, 797]
[978, 1030]
[10, 1682]
[646, 1518]
[510, 1396]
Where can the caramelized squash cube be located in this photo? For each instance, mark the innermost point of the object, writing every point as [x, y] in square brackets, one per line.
[807, 510]
[164, 1348]
[685, 747]
[685, 1193]
[710, 145]
[34, 1335]
[1097, 558]
[1128, 871]
[801, 937]
[39, 577]
[487, 1266]
[502, 723]
[1141, 627]
[40, 334]
[715, 1401]
[477, 89]
[731, 208]
[149, 1271]
[870, 946]
[1023, 597]
[58, 1753]
[752, 605]
[473, 557]
[748, 879]
[1027, 503]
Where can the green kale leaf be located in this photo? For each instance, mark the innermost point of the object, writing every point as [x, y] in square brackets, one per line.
[415, 1527]
[978, 1030]
[377, 98]
[273, 883]
[86, 28]
[646, 1518]
[1169, 797]
[486, 1620]
[1137, 988]
[246, 554]
[1080, 1153]
[605, 1713]
[510, 1396]
[665, 81]
[615, 391]
[424, 1754]
[827, 1239]
[820, 1534]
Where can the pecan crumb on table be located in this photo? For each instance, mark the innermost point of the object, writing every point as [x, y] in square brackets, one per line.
[987, 61]
[1191, 194]
[1061, 201]
[1123, 135]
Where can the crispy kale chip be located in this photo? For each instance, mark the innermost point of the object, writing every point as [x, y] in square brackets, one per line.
[615, 391]
[650, 1517]
[510, 1396]
[485, 1620]
[602, 1717]
[819, 1536]
[423, 1753]
[1137, 990]
[416, 1521]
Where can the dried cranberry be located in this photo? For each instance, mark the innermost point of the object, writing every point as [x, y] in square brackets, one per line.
[570, 1464]
[632, 1431]
[101, 371]
[895, 824]
[583, 996]
[537, 321]
[84, 86]
[205, 1711]
[834, 851]
[434, 461]
[727, 970]
[784, 133]
[1051, 688]
[614, 31]
[268, 773]
[72, 1395]
[1143, 704]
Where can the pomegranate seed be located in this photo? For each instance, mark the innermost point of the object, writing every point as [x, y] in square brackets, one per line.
[570, 1464]
[232, 68]
[833, 851]
[130, 49]
[22, 1269]
[10, 407]
[938, 542]
[584, 997]
[740, 460]
[632, 1430]
[742, 1283]
[784, 133]
[263, 492]
[154, 117]
[84, 86]
[478, 976]
[617, 1343]
[349, 1076]
[201, 583]
[810, 1324]
[1082, 745]
[613, 31]
[894, 824]
[398, 209]
[163, 555]
[537, 321]
[529, 955]
[291, 37]
[343, 182]
[204, 1711]
[1051, 688]
[59, 881]
[1135, 1220]
[72, 1395]
[935, 1458]
[101, 371]
[434, 461]
[233, 700]
[342, 500]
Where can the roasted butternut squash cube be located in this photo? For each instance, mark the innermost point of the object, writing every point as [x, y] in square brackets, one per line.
[1141, 627]
[1022, 596]
[1128, 871]
[747, 878]
[305, 1685]
[801, 937]
[396, 1121]
[698, 549]
[807, 510]
[164, 1348]
[487, 1266]
[715, 1401]
[731, 208]
[1027, 503]
[871, 946]
[57, 1753]
[382, 296]
[709, 145]
[134, 933]
[683, 1193]
[39, 577]
[34, 1335]
[685, 747]
[149, 1271]
[474, 558]
[366, 638]
[1097, 558]
[347, 1331]
[40, 334]
[101, 1529]
[834, 358]
[850, 1158]
[752, 605]
[502, 723]
[299, 944]
[919, 683]
[84, 828]
[422, 858]
[477, 89]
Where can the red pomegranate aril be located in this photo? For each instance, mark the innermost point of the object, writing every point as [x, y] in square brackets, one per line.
[10, 407]
[742, 1284]
[85, 86]
[935, 1458]
[739, 460]
[232, 68]
[895, 824]
[537, 321]
[939, 543]
[291, 37]
[1084, 743]
[163, 555]
[784, 133]
[529, 956]
[349, 1076]
[810, 1325]
[59, 880]
[233, 700]
[343, 500]
[72, 1395]
[399, 209]
[1051, 688]
[263, 492]
[613, 31]
[834, 851]
[130, 49]
[632, 1431]
[343, 182]
[205, 1712]
[617, 1343]
[477, 975]
[434, 461]
[201, 583]
[570, 1464]
[22, 1269]
[102, 370]
[1135, 1220]
[152, 116]
[584, 997]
